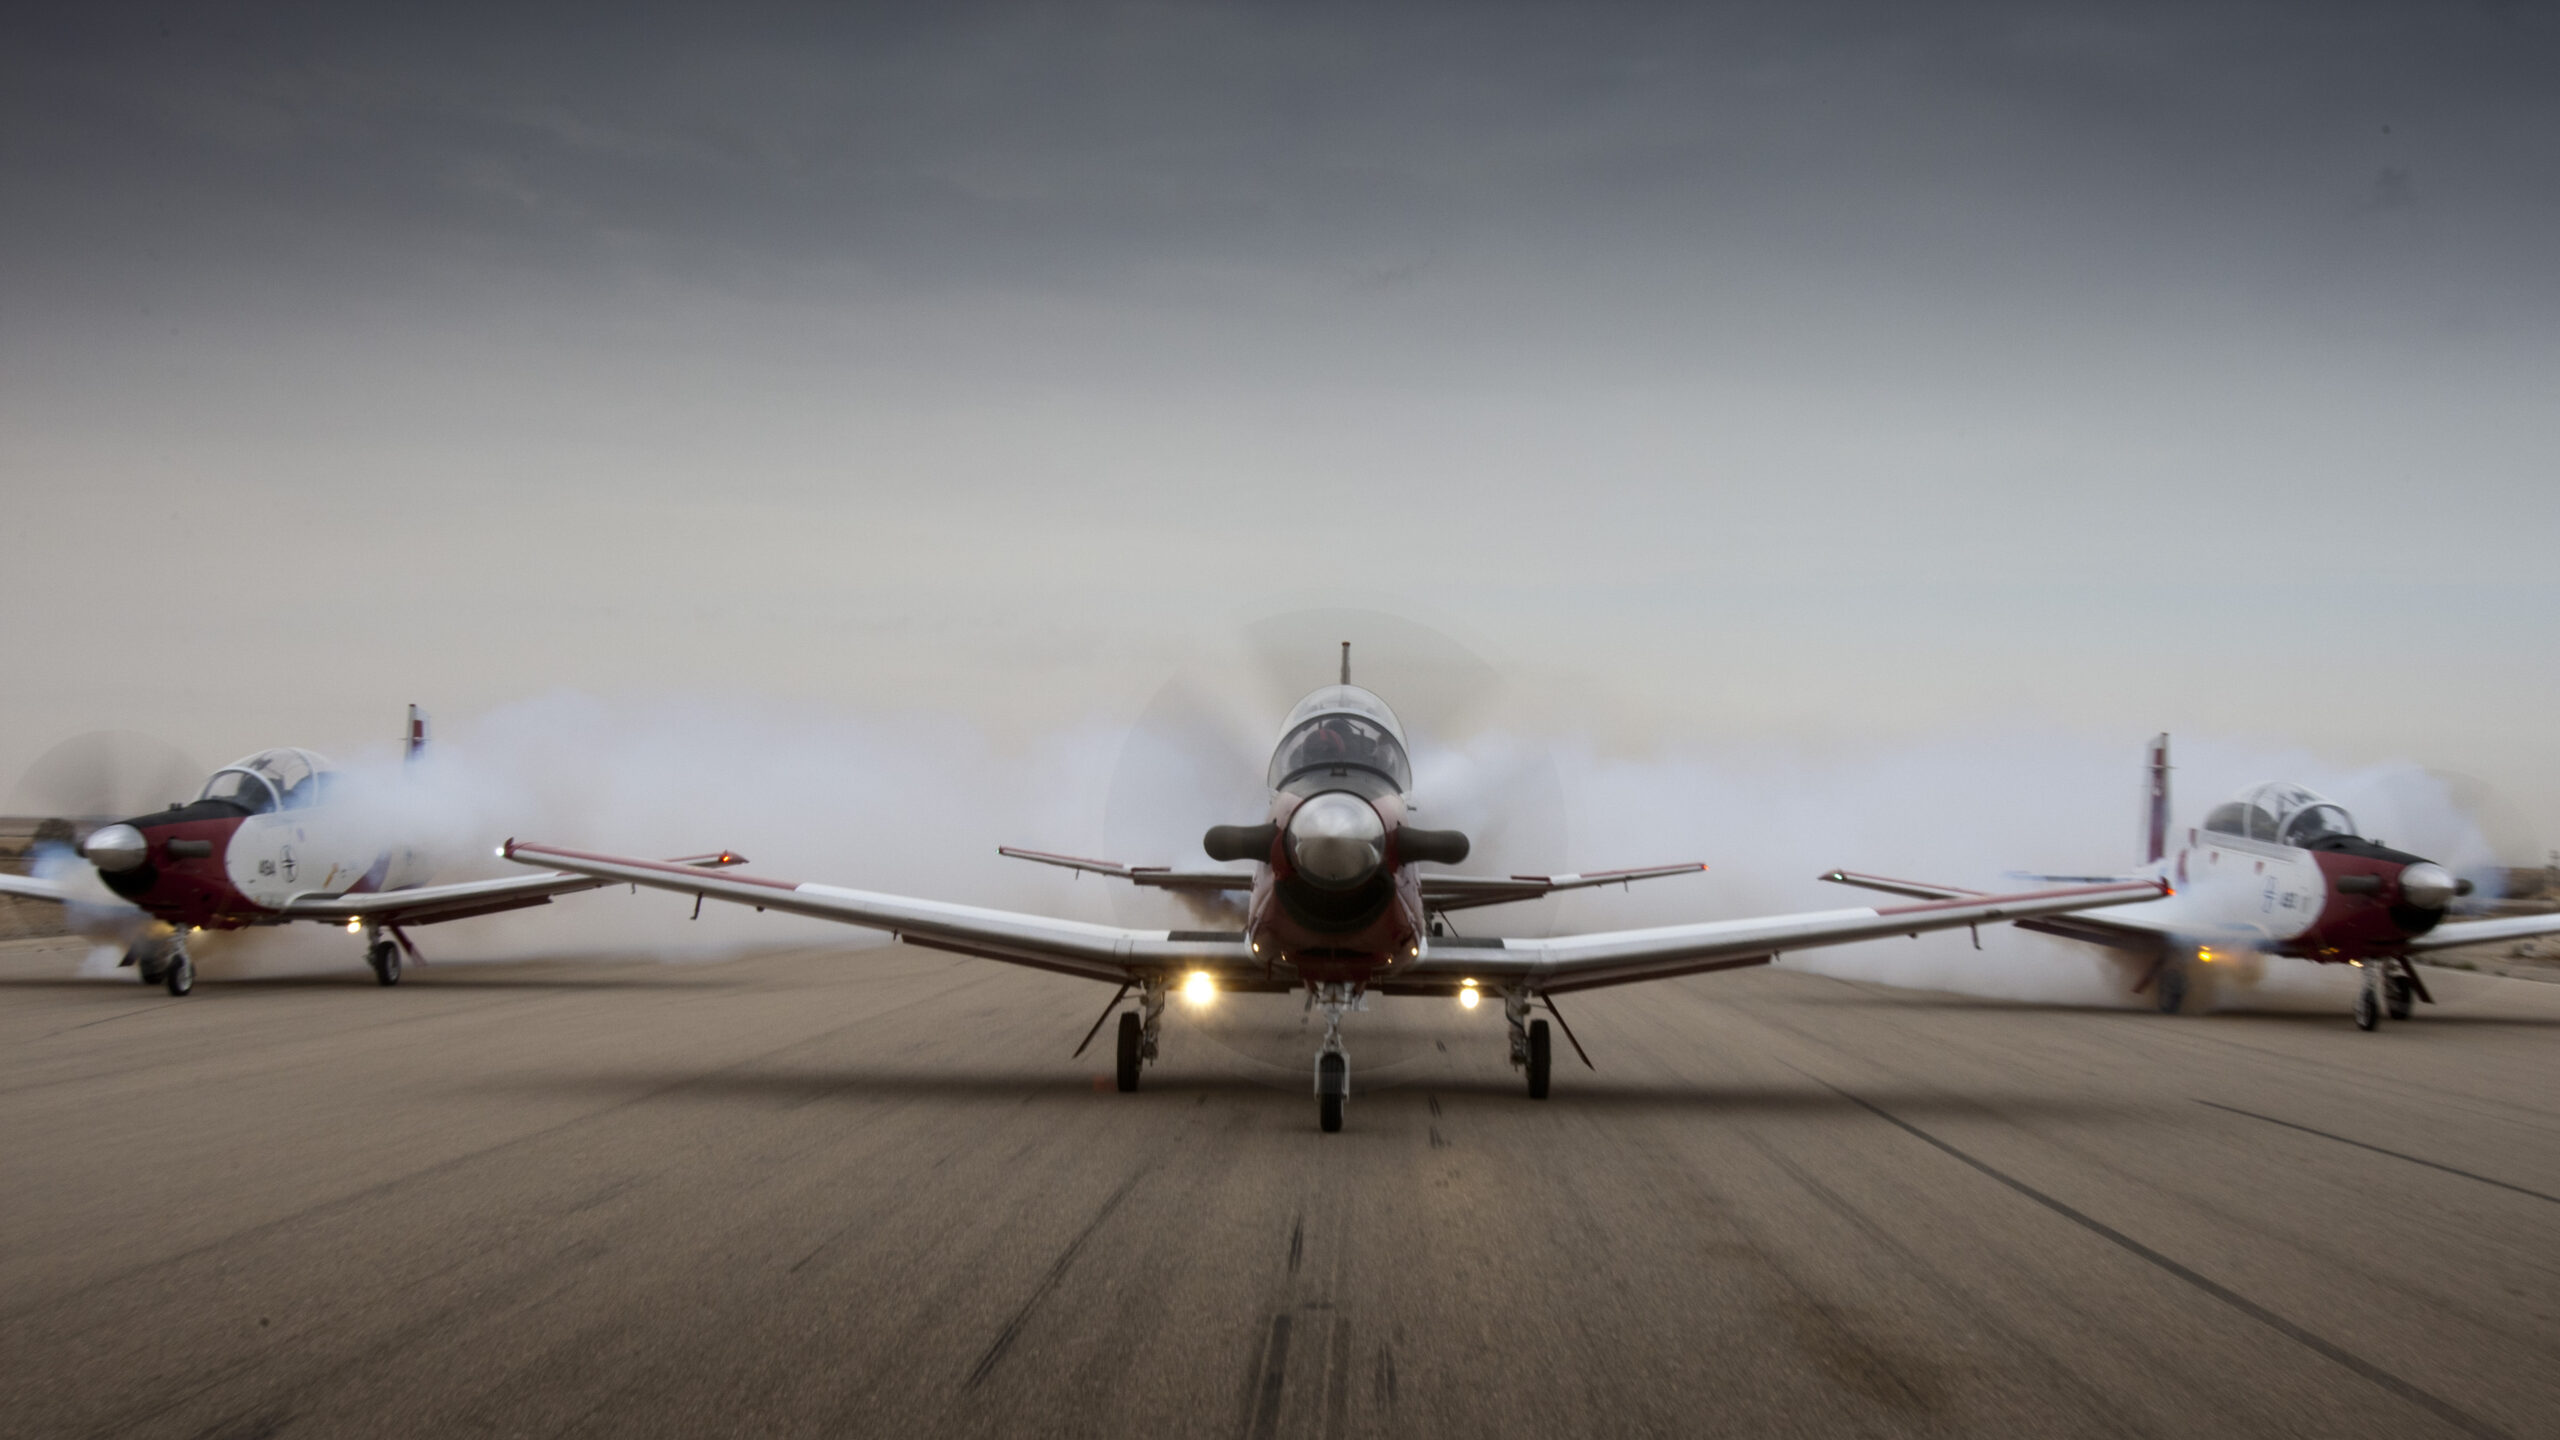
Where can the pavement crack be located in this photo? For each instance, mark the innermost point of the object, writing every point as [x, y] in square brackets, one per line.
[2378, 1150]
[1297, 1242]
[1004, 1340]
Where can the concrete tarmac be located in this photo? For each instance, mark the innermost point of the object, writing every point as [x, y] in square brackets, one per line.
[866, 1192]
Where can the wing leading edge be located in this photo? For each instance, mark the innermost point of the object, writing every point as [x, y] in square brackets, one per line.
[1585, 962]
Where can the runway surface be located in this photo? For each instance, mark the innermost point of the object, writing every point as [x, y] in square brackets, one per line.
[867, 1192]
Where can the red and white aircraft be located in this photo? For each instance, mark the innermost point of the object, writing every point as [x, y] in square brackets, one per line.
[1338, 905]
[2278, 871]
[269, 840]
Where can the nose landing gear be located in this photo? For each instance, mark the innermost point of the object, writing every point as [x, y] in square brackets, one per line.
[1333, 1063]
[2369, 998]
[164, 962]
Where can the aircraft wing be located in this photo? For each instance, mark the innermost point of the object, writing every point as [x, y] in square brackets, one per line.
[33, 888]
[2482, 932]
[1163, 877]
[434, 904]
[2123, 930]
[1466, 892]
[1072, 947]
[1584, 962]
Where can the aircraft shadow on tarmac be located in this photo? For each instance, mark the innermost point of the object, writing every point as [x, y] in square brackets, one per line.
[792, 1089]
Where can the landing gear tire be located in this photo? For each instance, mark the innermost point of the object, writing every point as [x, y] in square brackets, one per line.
[384, 957]
[2368, 1014]
[1540, 1052]
[180, 977]
[2171, 989]
[1130, 1035]
[2396, 994]
[1333, 1085]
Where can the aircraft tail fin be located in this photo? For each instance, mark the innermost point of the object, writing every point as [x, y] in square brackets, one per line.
[2156, 801]
[417, 742]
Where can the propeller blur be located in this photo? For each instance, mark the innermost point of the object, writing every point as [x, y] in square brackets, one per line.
[1338, 904]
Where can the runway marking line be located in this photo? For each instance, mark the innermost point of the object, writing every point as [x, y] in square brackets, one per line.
[2425, 1400]
[2378, 1150]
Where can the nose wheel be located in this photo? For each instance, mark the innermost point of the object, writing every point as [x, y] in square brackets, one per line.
[2396, 996]
[165, 963]
[384, 956]
[1333, 1063]
[2369, 998]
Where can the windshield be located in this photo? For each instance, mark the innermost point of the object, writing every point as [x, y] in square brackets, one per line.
[270, 780]
[2281, 814]
[1342, 727]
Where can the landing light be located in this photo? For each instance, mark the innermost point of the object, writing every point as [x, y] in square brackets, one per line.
[1468, 999]
[1198, 988]
[2204, 956]
[356, 926]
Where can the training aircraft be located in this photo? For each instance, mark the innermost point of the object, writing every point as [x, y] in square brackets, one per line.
[270, 839]
[1339, 906]
[2277, 871]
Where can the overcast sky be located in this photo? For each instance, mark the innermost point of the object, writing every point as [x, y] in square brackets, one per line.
[1844, 375]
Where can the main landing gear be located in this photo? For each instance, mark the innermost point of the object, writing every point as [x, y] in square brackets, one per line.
[164, 962]
[2169, 988]
[383, 955]
[1139, 1030]
[1531, 1050]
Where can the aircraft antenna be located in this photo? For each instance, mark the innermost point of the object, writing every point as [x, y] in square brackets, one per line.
[1346, 662]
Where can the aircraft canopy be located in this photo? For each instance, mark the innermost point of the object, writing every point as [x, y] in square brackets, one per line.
[2280, 814]
[286, 779]
[1339, 726]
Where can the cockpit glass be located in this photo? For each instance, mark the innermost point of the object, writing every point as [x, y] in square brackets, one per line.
[1338, 742]
[242, 788]
[2317, 822]
[270, 779]
[2281, 814]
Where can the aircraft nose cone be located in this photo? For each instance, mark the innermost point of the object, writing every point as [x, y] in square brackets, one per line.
[115, 847]
[1336, 840]
[2426, 885]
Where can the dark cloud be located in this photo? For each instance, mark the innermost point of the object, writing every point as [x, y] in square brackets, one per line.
[1065, 147]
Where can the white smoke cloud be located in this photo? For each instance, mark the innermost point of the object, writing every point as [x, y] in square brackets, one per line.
[916, 803]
